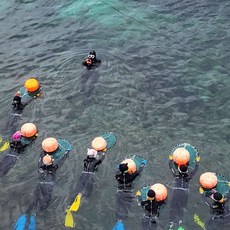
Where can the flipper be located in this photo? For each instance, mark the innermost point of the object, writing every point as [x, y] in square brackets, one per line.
[21, 223]
[199, 222]
[69, 221]
[5, 146]
[119, 226]
[32, 224]
[76, 204]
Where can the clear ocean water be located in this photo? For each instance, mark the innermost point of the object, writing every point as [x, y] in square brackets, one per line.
[164, 79]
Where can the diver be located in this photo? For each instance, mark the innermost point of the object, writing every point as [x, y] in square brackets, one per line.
[86, 181]
[151, 202]
[215, 194]
[183, 172]
[84, 186]
[126, 174]
[20, 140]
[91, 60]
[54, 152]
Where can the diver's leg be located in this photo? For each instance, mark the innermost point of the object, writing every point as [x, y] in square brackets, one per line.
[89, 183]
[7, 163]
[178, 204]
[124, 204]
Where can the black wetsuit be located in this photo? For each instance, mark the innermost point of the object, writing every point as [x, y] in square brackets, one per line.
[220, 213]
[124, 196]
[180, 194]
[86, 181]
[16, 148]
[152, 210]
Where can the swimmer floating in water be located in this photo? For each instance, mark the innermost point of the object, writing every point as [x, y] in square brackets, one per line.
[53, 155]
[128, 171]
[183, 162]
[152, 199]
[20, 140]
[84, 186]
[91, 60]
[215, 193]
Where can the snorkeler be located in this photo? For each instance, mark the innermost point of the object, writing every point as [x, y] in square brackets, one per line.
[184, 162]
[215, 194]
[127, 172]
[91, 60]
[54, 152]
[20, 140]
[84, 186]
[152, 199]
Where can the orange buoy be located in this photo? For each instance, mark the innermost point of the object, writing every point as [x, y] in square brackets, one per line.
[131, 165]
[160, 191]
[99, 143]
[50, 144]
[28, 130]
[47, 160]
[181, 156]
[208, 180]
[31, 85]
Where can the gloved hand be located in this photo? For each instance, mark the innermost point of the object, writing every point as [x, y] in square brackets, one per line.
[144, 162]
[201, 190]
[138, 193]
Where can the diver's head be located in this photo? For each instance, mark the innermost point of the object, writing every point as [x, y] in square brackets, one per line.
[183, 169]
[123, 167]
[92, 153]
[88, 62]
[17, 136]
[218, 197]
[92, 55]
[16, 101]
[47, 160]
[151, 195]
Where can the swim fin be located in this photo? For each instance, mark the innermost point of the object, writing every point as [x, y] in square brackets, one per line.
[32, 224]
[199, 222]
[119, 226]
[21, 223]
[69, 221]
[5, 146]
[76, 204]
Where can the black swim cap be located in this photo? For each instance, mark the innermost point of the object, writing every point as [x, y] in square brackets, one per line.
[17, 99]
[92, 52]
[217, 196]
[151, 193]
[123, 167]
[183, 168]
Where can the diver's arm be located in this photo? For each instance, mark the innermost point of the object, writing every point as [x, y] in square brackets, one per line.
[194, 171]
[172, 168]
[206, 200]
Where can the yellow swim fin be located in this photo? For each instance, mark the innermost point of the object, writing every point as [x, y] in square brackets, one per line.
[69, 221]
[5, 146]
[76, 204]
[199, 222]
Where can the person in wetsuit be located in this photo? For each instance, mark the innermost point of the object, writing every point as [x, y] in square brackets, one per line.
[179, 200]
[219, 208]
[151, 209]
[86, 181]
[124, 196]
[18, 143]
[91, 60]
